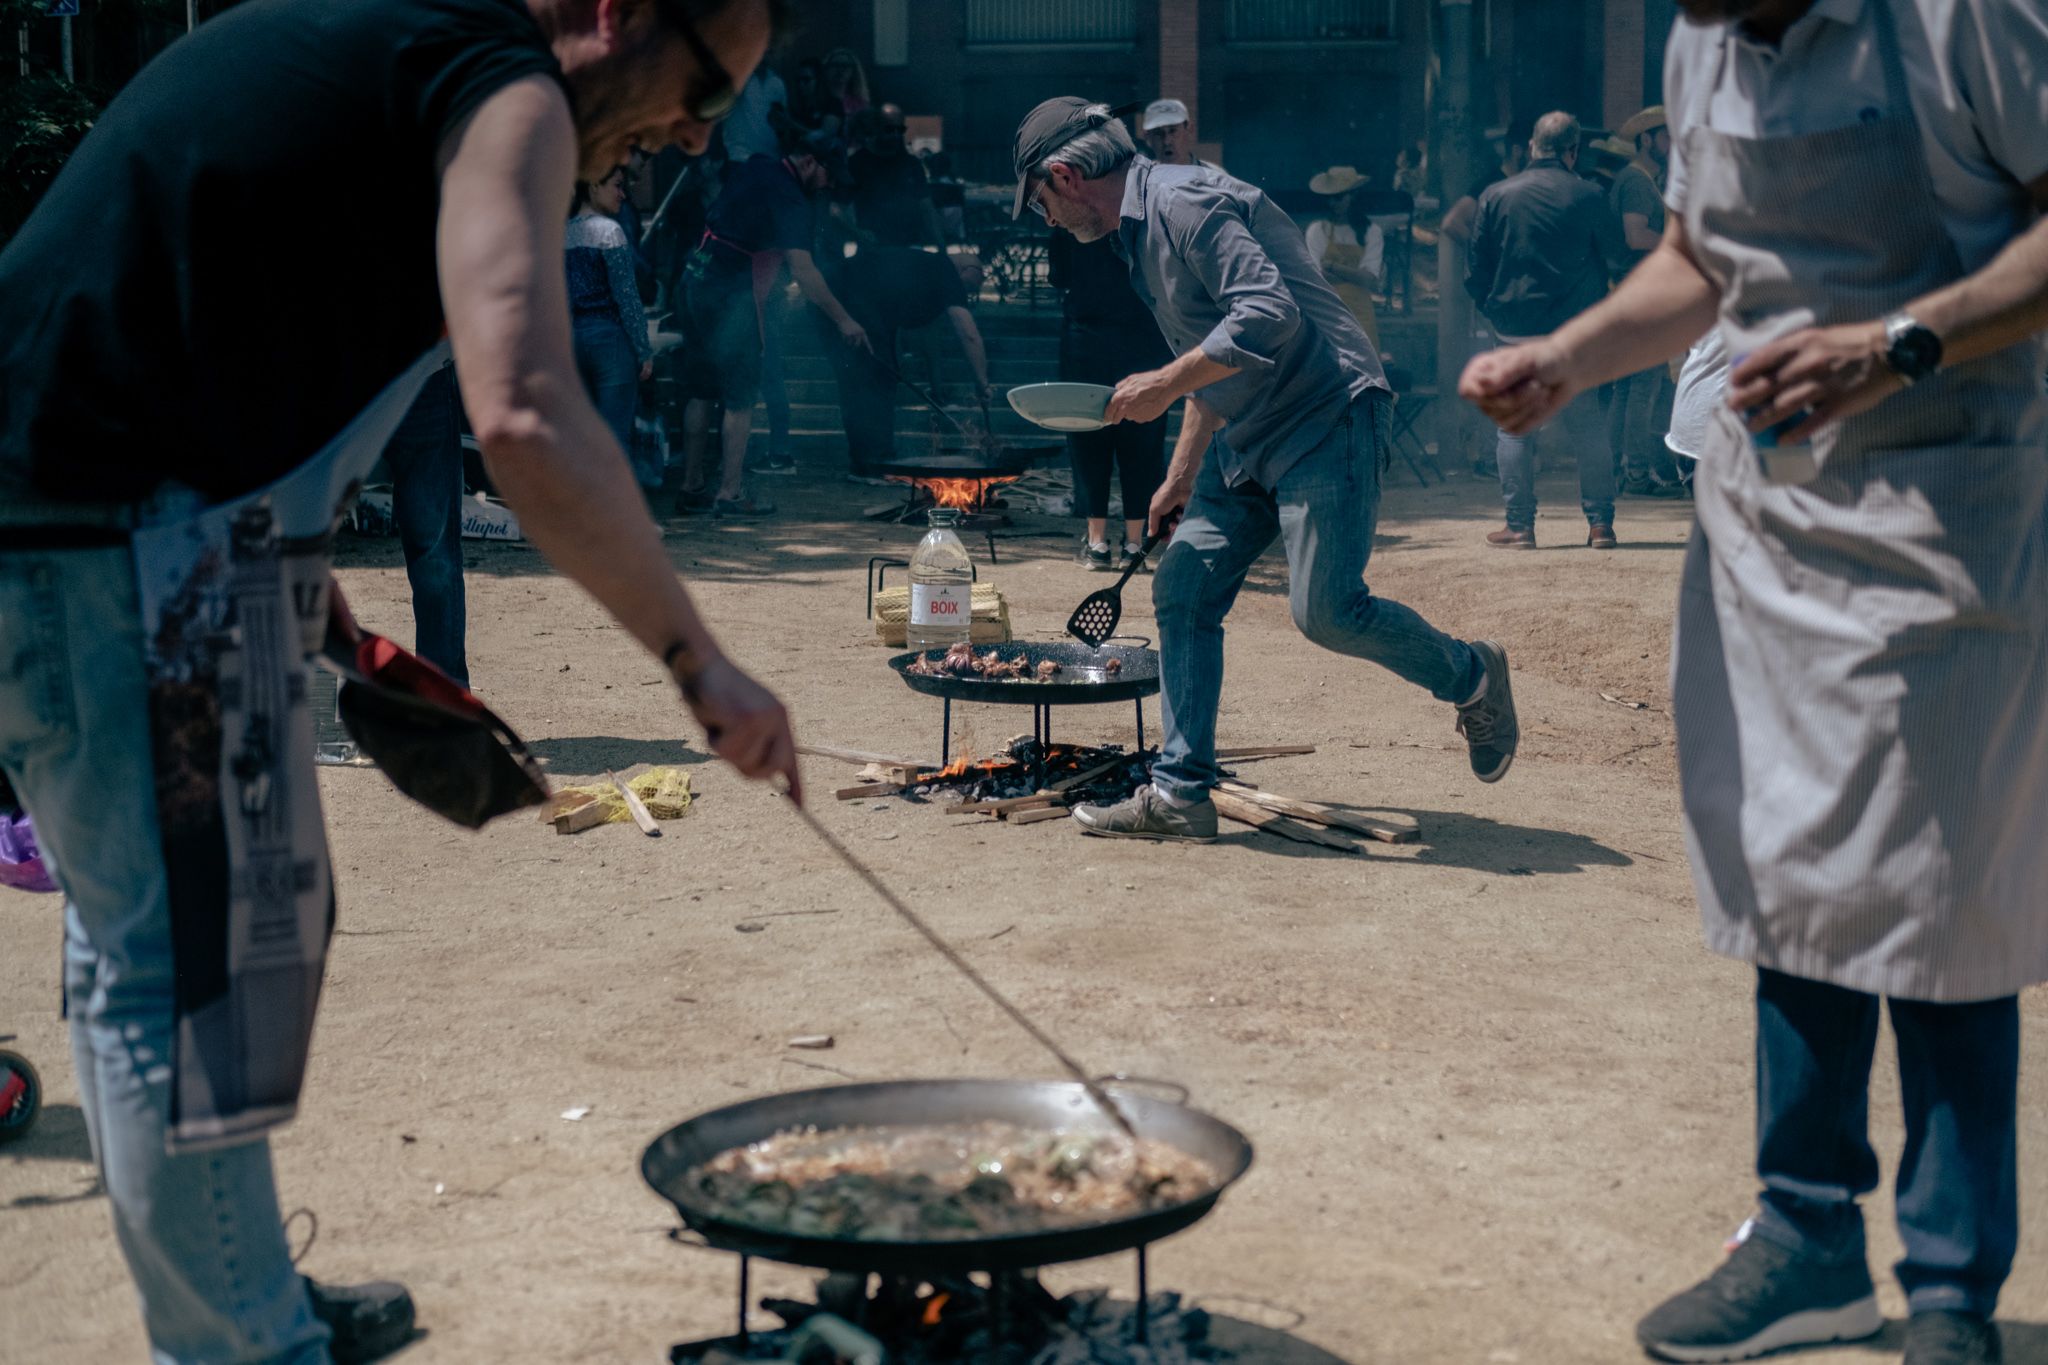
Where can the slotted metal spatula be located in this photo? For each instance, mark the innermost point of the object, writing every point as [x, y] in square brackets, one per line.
[1095, 619]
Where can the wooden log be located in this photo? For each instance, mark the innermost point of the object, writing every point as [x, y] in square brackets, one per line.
[636, 808]
[1251, 813]
[855, 793]
[1034, 815]
[1035, 801]
[846, 755]
[1372, 826]
[576, 819]
[1087, 775]
[1267, 751]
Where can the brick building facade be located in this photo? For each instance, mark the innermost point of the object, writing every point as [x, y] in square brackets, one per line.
[1279, 88]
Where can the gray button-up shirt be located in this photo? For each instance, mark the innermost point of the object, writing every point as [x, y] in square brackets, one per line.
[1224, 269]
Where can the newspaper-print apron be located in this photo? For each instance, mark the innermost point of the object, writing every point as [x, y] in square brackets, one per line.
[1860, 675]
[234, 601]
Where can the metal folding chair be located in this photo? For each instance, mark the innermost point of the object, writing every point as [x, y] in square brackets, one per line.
[1410, 402]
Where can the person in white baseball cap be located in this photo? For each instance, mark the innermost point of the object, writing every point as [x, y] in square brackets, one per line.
[1168, 133]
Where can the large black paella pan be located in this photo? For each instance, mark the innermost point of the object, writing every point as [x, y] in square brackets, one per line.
[1051, 1106]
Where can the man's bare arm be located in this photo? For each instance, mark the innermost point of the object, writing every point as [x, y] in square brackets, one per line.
[506, 177]
[969, 333]
[804, 269]
[1636, 231]
[1198, 422]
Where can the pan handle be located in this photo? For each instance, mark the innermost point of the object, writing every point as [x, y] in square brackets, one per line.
[1177, 1094]
[690, 1237]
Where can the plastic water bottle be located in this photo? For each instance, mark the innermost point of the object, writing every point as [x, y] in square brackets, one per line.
[941, 586]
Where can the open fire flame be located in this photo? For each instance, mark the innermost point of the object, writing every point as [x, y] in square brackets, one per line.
[966, 494]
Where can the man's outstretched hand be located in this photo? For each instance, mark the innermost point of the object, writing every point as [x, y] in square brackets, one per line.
[1519, 387]
[745, 723]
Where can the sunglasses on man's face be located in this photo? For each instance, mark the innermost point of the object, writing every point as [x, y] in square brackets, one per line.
[717, 94]
[1036, 202]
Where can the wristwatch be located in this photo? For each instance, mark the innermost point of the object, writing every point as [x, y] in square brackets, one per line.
[1911, 352]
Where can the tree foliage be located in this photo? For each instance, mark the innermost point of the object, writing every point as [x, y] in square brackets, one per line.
[41, 121]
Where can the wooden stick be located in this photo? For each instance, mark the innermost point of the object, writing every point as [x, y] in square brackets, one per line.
[1267, 751]
[636, 808]
[1386, 831]
[1087, 775]
[1034, 815]
[858, 755]
[855, 793]
[1273, 822]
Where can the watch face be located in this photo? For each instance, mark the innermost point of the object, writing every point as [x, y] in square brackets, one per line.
[1915, 352]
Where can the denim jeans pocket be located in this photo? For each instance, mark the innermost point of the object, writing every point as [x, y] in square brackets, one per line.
[36, 704]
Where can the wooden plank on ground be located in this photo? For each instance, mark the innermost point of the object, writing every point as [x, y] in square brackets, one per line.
[1267, 751]
[846, 755]
[1033, 816]
[855, 793]
[1377, 827]
[1087, 775]
[1251, 813]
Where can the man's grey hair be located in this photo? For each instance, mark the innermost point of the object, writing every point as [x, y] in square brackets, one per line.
[1095, 153]
[1557, 133]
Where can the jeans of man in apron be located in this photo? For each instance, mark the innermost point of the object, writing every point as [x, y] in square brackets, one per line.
[1324, 509]
[1859, 673]
[201, 1233]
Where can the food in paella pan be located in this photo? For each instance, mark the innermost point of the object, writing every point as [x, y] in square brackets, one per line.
[944, 1181]
[962, 662]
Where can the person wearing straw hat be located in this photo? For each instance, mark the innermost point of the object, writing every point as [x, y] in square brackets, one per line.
[1287, 431]
[1641, 406]
[1351, 266]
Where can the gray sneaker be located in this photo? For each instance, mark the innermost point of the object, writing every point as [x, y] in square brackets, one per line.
[1148, 815]
[1488, 722]
[1764, 1298]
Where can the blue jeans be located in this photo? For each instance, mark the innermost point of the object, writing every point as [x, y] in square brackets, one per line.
[611, 374]
[1957, 1192]
[201, 1233]
[425, 460]
[1584, 428]
[1324, 508]
[1638, 417]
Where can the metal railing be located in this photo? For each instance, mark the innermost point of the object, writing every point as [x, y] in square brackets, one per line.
[1303, 21]
[1051, 22]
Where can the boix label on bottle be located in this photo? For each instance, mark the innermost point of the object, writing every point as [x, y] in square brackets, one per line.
[940, 604]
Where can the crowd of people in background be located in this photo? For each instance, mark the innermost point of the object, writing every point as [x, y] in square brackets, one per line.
[811, 200]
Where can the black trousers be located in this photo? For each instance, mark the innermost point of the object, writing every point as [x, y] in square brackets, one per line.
[1134, 452]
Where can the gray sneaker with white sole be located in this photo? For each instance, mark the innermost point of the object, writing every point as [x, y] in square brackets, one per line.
[1148, 815]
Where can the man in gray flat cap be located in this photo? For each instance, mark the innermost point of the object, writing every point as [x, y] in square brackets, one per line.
[1285, 437]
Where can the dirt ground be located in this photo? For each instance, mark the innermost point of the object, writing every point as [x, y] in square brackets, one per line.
[1500, 1093]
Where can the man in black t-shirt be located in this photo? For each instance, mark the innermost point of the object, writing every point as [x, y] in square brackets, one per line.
[889, 290]
[891, 195]
[761, 219]
[424, 152]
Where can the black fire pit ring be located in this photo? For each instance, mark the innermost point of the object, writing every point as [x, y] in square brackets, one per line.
[1084, 679]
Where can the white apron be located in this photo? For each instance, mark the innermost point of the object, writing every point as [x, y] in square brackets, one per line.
[1860, 675]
